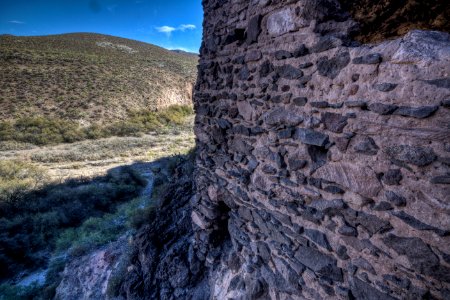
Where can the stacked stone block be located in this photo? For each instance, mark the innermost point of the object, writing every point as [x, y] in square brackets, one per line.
[323, 165]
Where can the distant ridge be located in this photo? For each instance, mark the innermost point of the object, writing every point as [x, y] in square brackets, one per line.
[185, 52]
[90, 77]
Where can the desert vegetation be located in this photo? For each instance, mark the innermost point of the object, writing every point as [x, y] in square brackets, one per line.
[50, 224]
[92, 128]
[76, 77]
[50, 131]
[55, 205]
[32, 218]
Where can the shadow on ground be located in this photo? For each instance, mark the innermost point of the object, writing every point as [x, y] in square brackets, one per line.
[41, 227]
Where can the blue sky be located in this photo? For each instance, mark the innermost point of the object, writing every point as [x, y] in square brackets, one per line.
[173, 24]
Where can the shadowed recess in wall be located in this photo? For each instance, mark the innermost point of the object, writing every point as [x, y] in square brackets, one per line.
[392, 18]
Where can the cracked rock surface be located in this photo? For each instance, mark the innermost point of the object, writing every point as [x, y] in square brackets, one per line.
[322, 164]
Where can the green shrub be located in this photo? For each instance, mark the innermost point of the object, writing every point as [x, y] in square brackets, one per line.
[148, 119]
[125, 128]
[92, 233]
[6, 131]
[49, 131]
[12, 292]
[176, 114]
[117, 276]
[44, 131]
[141, 217]
[16, 179]
[45, 218]
[95, 132]
[53, 277]
[97, 231]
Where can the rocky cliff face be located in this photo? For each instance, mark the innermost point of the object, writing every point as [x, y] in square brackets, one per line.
[163, 265]
[323, 165]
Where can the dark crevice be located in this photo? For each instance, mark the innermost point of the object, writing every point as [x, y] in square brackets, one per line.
[380, 20]
[318, 156]
[221, 234]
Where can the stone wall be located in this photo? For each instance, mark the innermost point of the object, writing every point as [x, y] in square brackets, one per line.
[323, 165]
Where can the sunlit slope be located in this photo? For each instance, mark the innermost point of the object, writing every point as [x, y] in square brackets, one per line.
[91, 78]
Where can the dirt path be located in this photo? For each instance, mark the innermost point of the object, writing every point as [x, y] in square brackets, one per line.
[148, 170]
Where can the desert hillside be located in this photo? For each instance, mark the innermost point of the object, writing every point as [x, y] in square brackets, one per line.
[90, 78]
[92, 127]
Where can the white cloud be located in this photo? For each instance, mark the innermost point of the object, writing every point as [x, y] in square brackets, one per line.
[16, 22]
[184, 27]
[169, 29]
[166, 29]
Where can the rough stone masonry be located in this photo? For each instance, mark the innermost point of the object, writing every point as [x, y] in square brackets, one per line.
[323, 165]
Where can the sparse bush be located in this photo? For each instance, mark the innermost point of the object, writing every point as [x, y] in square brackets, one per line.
[173, 163]
[162, 182]
[14, 146]
[53, 278]
[16, 179]
[125, 128]
[12, 292]
[117, 276]
[49, 131]
[33, 222]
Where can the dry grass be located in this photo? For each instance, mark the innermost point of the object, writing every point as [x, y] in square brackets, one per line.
[93, 157]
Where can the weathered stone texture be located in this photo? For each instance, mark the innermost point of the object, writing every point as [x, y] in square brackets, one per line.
[326, 164]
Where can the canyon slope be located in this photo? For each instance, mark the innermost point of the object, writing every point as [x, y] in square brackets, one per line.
[91, 78]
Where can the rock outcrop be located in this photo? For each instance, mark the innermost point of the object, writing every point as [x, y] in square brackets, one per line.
[156, 262]
[322, 165]
[162, 264]
[88, 277]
